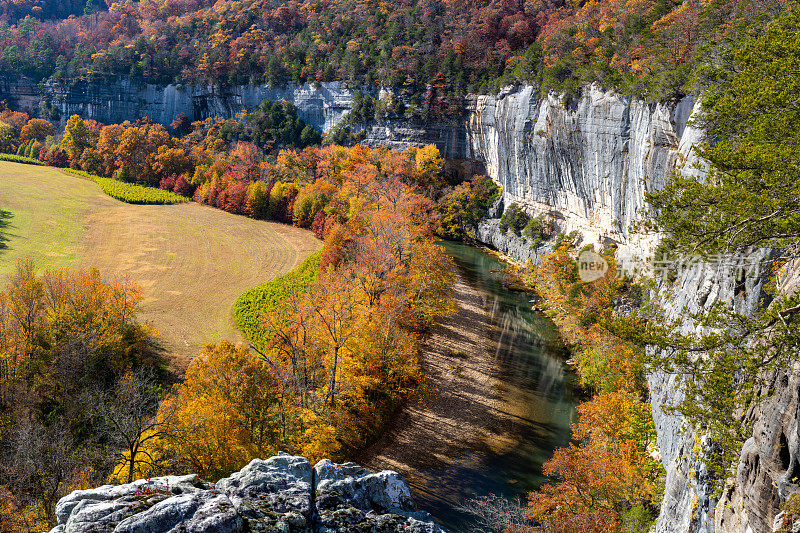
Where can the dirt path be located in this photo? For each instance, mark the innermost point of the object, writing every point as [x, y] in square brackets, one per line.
[469, 412]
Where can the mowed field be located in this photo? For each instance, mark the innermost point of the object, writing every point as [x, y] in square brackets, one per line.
[191, 261]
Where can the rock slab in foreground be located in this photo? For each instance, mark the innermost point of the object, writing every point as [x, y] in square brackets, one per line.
[272, 495]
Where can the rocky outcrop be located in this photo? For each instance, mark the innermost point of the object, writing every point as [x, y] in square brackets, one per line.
[518, 247]
[281, 494]
[690, 503]
[768, 471]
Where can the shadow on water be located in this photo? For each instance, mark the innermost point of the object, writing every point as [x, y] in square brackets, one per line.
[5, 223]
[529, 356]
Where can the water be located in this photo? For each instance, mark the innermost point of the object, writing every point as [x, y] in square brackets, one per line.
[529, 360]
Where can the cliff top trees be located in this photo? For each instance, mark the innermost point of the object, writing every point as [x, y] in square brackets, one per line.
[431, 50]
[751, 114]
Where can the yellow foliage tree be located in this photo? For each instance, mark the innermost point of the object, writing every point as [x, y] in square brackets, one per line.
[225, 413]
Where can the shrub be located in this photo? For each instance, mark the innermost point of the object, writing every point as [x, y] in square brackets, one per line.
[514, 218]
[258, 199]
[123, 174]
[20, 159]
[249, 307]
[538, 229]
[132, 194]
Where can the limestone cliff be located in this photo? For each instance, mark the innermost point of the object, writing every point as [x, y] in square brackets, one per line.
[588, 162]
[115, 101]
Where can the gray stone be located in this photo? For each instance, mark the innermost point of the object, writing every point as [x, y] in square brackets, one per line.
[588, 164]
[272, 495]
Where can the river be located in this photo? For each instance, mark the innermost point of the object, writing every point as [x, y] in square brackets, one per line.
[501, 400]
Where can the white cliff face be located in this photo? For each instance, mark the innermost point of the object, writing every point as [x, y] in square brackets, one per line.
[690, 503]
[590, 163]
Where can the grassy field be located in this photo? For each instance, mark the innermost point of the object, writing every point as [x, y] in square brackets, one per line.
[192, 261]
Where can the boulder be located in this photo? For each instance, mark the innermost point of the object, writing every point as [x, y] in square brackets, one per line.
[272, 495]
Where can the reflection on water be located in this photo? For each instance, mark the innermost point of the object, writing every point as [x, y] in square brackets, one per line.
[533, 389]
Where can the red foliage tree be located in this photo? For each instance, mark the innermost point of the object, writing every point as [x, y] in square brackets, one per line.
[318, 226]
[58, 158]
[183, 187]
[168, 183]
[233, 198]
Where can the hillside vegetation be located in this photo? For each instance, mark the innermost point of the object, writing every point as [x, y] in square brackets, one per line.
[433, 51]
[133, 194]
[336, 343]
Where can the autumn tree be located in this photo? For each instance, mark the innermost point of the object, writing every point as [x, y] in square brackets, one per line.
[605, 478]
[138, 154]
[223, 414]
[170, 162]
[10, 520]
[460, 210]
[62, 334]
[128, 413]
[36, 128]
[77, 137]
[107, 144]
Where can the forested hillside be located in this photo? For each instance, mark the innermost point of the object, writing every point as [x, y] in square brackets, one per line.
[435, 51]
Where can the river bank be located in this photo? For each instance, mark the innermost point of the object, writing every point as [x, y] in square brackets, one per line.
[498, 400]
